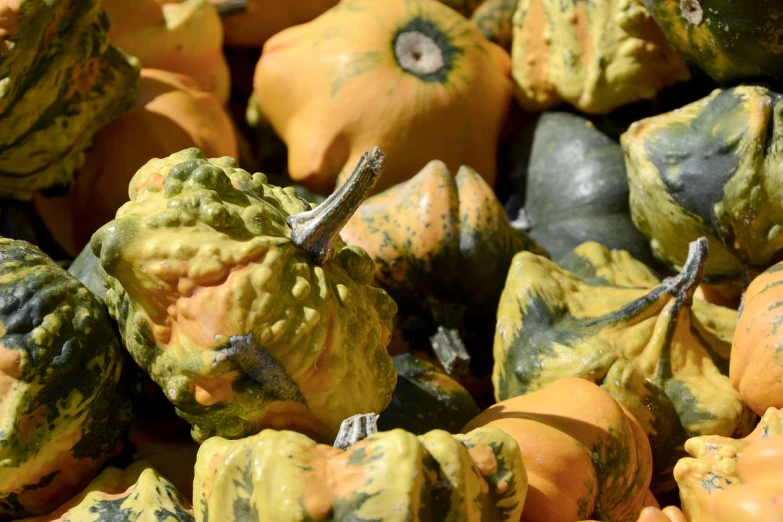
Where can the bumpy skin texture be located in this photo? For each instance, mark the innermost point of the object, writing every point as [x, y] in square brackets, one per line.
[596, 56]
[63, 411]
[135, 494]
[728, 480]
[392, 476]
[711, 169]
[199, 259]
[585, 455]
[729, 40]
[334, 88]
[661, 353]
[61, 81]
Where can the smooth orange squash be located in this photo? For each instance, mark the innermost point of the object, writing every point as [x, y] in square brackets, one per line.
[410, 76]
[172, 114]
[585, 454]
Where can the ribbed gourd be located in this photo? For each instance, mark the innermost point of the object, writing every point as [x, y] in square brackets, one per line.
[606, 317]
[64, 408]
[60, 81]
[242, 303]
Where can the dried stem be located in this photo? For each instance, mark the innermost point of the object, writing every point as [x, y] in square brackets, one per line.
[356, 428]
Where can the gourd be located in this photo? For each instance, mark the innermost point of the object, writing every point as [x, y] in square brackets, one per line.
[442, 245]
[64, 409]
[571, 180]
[596, 56]
[728, 480]
[387, 477]
[172, 114]
[137, 493]
[606, 318]
[61, 81]
[494, 18]
[585, 454]
[181, 36]
[710, 170]
[244, 305]
[410, 76]
[730, 41]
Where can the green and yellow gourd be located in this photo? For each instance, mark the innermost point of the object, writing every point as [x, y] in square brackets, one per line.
[61, 81]
[494, 18]
[711, 169]
[658, 351]
[244, 321]
[596, 56]
[63, 407]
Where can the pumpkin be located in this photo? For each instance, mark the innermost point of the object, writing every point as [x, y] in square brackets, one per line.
[137, 493]
[570, 177]
[63, 407]
[442, 245]
[410, 76]
[61, 81]
[226, 294]
[426, 399]
[653, 514]
[596, 56]
[658, 351]
[494, 19]
[172, 114]
[387, 477]
[585, 454]
[730, 41]
[728, 480]
[710, 170]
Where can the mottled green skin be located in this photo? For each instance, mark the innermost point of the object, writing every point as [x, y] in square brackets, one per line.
[575, 187]
[59, 83]
[426, 399]
[494, 20]
[63, 407]
[732, 40]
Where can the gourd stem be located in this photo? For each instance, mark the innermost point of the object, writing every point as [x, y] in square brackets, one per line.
[231, 7]
[687, 281]
[450, 350]
[356, 428]
[317, 230]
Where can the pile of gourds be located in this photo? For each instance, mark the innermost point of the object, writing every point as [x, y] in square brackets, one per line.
[511, 260]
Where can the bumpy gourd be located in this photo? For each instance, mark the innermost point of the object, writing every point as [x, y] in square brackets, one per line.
[596, 56]
[63, 406]
[584, 454]
[710, 169]
[657, 350]
[241, 328]
[410, 76]
[60, 81]
[392, 476]
[728, 480]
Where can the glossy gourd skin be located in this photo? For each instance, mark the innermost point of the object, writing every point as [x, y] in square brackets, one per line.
[585, 454]
[391, 476]
[63, 407]
[62, 81]
[711, 169]
[596, 56]
[606, 318]
[241, 329]
[409, 76]
[728, 480]
[731, 41]
[173, 113]
[756, 368]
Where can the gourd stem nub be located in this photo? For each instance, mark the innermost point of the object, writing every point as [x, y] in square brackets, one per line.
[687, 281]
[355, 429]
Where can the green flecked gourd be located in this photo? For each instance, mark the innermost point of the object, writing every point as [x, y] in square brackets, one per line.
[135, 494]
[63, 406]
[391, 476]
[596, 56]
[60, 81]
[605, 317]
[241, 328]
[494, 18]
[426, 399]
[571, 181]
[711, 169]
[730, 41]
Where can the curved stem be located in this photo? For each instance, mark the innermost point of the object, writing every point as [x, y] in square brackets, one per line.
[317, 230]
[684, 284]
[356, 428]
